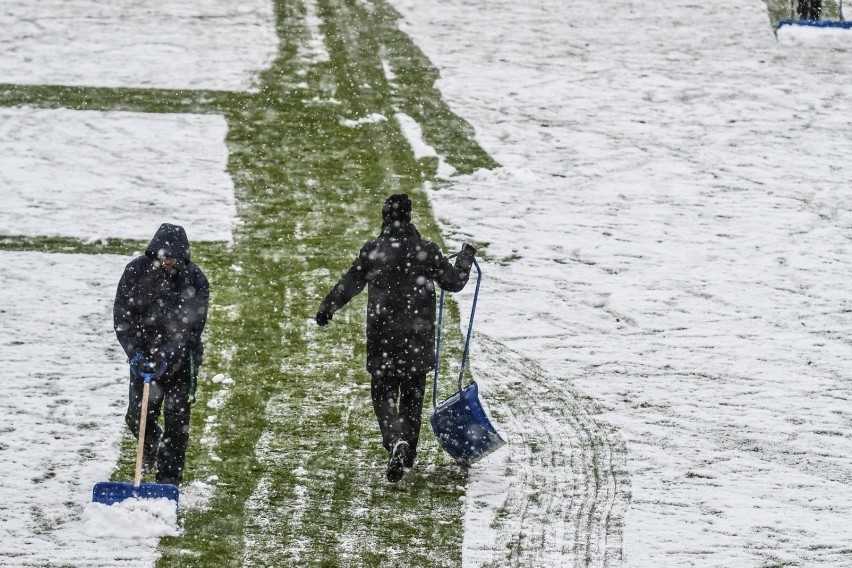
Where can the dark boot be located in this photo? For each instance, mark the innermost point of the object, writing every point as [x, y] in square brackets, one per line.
[408, 462]
[396, 469]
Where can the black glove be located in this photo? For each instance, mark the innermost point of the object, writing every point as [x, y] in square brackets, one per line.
[150, 365]
[323, 318]
[465, 257]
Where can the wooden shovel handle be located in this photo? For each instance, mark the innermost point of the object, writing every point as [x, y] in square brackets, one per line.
[140, 445]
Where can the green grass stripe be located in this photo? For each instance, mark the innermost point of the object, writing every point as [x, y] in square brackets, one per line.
[415, 94]
[294, 452]
[120, 99]
[73, 246]
[300, 481]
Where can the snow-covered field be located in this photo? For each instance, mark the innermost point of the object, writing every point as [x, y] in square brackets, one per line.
[98, 175]
[153, 44]
[62, 370]
[668, 235]
[667, 241]
[95, 175]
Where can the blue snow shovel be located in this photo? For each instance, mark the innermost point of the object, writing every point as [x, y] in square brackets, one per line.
[460, 422]
[839, 23]
[110, 492]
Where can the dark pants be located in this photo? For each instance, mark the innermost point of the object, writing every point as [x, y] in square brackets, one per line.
[398, 404]
[168, 444]
[809, 9]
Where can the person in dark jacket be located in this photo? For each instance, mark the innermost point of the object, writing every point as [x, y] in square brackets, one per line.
[401, 270]
[159, 313]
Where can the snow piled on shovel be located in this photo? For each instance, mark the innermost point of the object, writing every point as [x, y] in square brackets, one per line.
[815, 36]
[132, 518]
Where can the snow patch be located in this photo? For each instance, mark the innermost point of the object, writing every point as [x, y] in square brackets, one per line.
[815, 36]
[132, 518]
[196, 495]
[95, 175]
[162, 44]
[314, 51]
[371, 119]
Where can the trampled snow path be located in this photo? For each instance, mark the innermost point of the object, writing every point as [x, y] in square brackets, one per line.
[670, 235]
[91, 175]
[559, 489]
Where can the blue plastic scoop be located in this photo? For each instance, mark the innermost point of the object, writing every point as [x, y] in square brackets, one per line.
[460, 423]
[110, 492]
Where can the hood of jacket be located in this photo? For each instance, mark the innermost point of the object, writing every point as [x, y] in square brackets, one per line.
[396, 210]
[170, 241]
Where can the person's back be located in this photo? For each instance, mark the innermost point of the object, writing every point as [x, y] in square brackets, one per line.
[400, 270]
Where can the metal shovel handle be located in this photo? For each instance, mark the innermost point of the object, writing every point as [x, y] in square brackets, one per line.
[467, 340]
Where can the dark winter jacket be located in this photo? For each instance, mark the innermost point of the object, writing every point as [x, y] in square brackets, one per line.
[163, 312]
[401, 270]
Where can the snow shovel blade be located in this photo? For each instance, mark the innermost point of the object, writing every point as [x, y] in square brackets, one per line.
[815, 24]
[110, 492]
[463, 429]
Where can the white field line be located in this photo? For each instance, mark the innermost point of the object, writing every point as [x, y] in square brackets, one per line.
[413, 133]
[314, 50]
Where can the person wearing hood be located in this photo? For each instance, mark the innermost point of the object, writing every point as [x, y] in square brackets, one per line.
[159, 313]
[400, 270]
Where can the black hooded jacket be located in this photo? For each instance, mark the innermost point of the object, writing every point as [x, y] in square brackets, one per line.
[401, 270]
[163, 312]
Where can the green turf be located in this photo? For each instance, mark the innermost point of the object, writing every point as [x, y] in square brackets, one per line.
[72, 246]
[294, 453]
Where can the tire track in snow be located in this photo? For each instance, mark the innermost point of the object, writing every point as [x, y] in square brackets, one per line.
[557, 493]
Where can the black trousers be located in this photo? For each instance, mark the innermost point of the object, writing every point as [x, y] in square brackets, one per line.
[398, 404]
[169, 394]
[809, 9]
